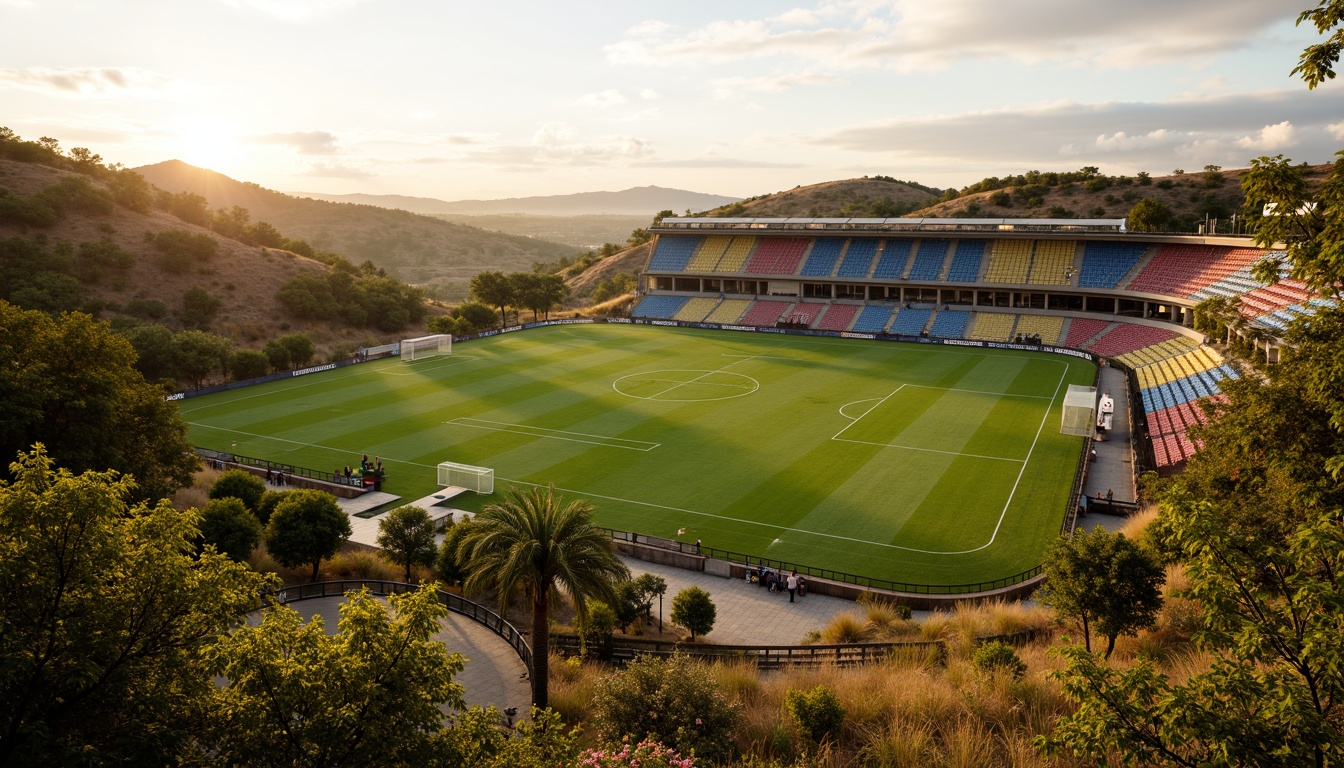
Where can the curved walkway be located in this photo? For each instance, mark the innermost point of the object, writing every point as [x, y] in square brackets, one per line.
[494, 674]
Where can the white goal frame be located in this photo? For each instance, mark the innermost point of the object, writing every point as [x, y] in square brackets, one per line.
[1079, 412]
[425, 346]
[478, 479]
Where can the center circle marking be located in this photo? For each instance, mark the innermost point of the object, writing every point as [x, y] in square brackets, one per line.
[679, 382]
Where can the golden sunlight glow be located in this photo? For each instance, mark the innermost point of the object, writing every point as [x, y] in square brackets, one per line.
[207, 145]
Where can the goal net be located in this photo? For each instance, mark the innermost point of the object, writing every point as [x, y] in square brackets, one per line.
[424, 346]
[1080, 404]
[478, 479]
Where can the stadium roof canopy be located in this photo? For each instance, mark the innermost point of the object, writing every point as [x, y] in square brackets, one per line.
[899, 224]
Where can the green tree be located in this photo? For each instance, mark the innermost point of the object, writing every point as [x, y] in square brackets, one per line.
[156, 352]
[1148, 215]
[105, 611]
[374, 693]
[300, 348]
[231, 527]
[200, 354]
[535, 546]
[1308, 225]
[477, 315]
[1272, 621]
[71, 384]
[693, 715]
[199, 307]
[494, 289]
[693, 609]
[266, 506]
[1103, 581]
[241, 485]
[277, 355]
[306, 527]
[450, 568]
[1317, 63]
[248, 364]
[407, 534]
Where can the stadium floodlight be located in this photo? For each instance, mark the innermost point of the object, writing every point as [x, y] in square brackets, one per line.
[425, 346]
[478, 479]
[1080, 408]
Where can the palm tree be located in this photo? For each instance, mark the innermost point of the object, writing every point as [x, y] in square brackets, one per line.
[531, 545]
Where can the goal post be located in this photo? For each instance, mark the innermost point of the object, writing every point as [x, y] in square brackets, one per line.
[1080, 406]
[424, 346]
[478, 479]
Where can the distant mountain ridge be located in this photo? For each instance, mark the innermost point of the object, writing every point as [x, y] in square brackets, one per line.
[636, 201]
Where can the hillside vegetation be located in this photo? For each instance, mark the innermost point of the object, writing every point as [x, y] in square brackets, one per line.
[876, 196]
[422, 250]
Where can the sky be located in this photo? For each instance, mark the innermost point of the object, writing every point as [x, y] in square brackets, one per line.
[467, 99]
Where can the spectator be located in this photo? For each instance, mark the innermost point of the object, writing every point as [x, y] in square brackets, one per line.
[792, 585]
[1110, 495]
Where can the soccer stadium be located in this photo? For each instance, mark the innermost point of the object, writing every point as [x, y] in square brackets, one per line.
[754, 402]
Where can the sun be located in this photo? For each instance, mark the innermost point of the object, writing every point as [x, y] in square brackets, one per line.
[207, 145]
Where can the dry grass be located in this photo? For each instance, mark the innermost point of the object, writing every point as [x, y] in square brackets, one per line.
[1138, 521]
[845, 628]
[198, 493]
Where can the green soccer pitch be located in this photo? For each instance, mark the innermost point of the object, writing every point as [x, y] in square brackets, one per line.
[917, 463]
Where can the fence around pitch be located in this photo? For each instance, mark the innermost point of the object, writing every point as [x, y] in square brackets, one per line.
[691, 548]
[763, 656]
[455, 603]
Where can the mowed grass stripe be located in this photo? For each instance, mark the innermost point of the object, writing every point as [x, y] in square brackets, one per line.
[758, 473]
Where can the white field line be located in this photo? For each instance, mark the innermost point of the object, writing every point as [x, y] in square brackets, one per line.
[697, 378]
[454, 360]
[553, 434]
[865, 413]
[856, 402]
[982, 392]
[928, 450]
[703, 383]
[770, 357]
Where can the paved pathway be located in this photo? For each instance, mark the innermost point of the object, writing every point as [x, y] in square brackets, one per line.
[1114, 468]
[494, 674]
[747, 614]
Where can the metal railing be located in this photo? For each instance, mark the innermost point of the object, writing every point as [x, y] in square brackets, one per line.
[691, 548]
[455, 603]
[223, 457]
[624, 650]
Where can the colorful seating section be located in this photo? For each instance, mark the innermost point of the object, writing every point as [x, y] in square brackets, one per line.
[858, 261]
[993, 326]
[1052, 263]
[659, 306]
[1046, 326]
[1009, 262]
[928, 260]
[1082, 330]
[873, 319]
[1174, 348]
[736, 254]
[777, 256]
[765, 312]
[673, 253]
[1105, 264]
[837, 318]
[805, 313]
[728, 311]
[694, 311]
[1125, 337]
[966, 261]
[1183, 270]
[910, 322]
[891, 266]
[949, 324]
[821, 261]
[708, 254]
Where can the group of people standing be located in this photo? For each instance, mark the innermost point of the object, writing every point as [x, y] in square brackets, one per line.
[277, 477]
[356, 477]
[775, 580]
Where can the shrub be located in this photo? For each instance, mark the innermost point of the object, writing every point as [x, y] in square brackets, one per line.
[241, 485]
[817, 713]
[645, 754]
[267, 504]
[150, 309]
[449, 567]
[248, 364]
[996, 656]
[227, 524]
[674, 701]
[693, 609]
[598, 625]
[199, 307]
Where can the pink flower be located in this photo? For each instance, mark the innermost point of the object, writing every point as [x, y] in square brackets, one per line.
[698, 721]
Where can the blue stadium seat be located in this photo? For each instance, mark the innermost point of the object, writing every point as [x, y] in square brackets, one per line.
[674, 251]
[659, 306]
[873, 319]
[928, 260]
[892, 264]
[966, 261]
[949, 324]
[910, 322]
[821, 261]
[1104, 264]
[858, 257]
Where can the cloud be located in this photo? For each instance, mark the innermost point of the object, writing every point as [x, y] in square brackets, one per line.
[296, 10]
[336, 171]
[607, 98]
[87, 81]
[560, 144]
[464, 139]
[1336, 130]
[1224, 130]
[917, 35]
[713, 161]
[306, 142]
[724, 88]
[652, 114]
[1271, 138]
[649, 94]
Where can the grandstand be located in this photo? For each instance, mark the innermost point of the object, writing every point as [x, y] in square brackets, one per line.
[1084, 284]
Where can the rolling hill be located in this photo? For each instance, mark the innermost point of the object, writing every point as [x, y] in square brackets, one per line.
[414, 248]
[877, 196]
[636, 201]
